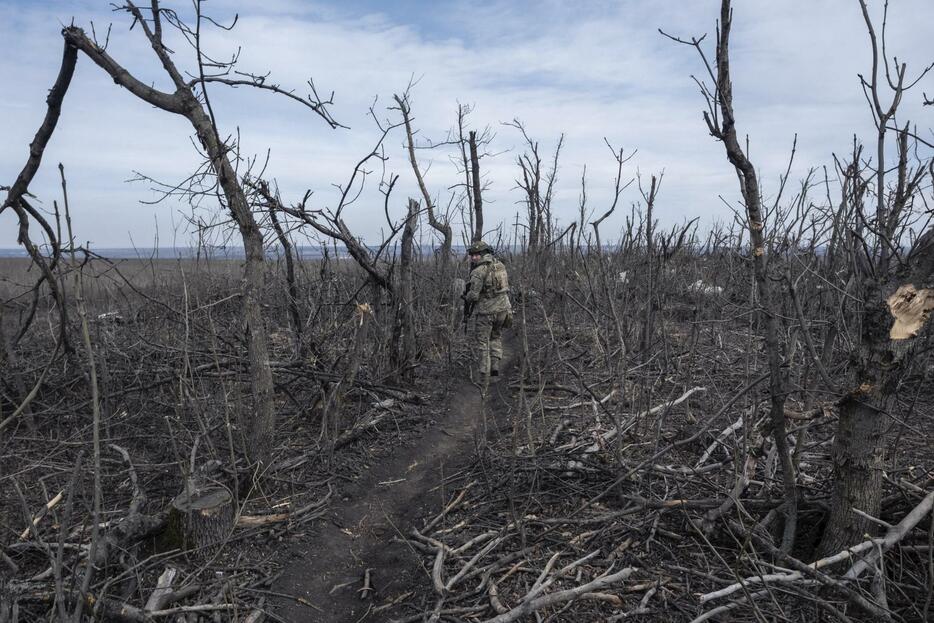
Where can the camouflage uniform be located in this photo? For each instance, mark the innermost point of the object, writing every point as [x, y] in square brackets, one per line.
[489, 292]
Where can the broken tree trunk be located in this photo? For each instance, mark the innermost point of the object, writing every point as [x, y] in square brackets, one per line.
[403, 338]
[890, 326]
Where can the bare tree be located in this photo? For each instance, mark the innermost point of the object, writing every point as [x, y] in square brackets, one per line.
[721, 123]
[470, 144]
[618, 188]
[443, 227]
[649, 197]
[331, 222]
[537, 184]
[475, 184]
[890, 295]
[16, 201]
[378, 264]
[404, 347]
[300, 348]
[190, 100]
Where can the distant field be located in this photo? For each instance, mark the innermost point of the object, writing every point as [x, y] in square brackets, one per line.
[232, 253]
[17, 275]
[171, 253]
[112, 282]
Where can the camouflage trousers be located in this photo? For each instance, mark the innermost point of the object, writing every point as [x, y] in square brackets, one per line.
[487, 341]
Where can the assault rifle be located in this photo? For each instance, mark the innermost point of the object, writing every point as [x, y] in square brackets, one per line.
[468, 308]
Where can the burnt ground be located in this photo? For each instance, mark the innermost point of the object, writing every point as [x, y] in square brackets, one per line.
[550, 485]
[324, 578]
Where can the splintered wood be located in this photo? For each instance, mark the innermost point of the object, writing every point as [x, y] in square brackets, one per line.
[910, 307]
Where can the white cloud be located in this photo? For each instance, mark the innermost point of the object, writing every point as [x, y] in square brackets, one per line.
[591, 70]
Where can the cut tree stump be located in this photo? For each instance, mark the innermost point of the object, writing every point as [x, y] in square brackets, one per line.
[201, 518]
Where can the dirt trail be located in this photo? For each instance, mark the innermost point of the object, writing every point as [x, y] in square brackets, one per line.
[387, 500]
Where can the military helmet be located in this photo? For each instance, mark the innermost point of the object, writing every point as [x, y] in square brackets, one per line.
[479, 248]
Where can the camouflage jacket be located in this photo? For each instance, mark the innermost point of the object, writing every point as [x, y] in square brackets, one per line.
[489, 286]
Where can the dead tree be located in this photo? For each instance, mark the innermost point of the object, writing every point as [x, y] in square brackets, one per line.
[331, 223]
[537, 184]
[475, 181]
[16, 201]
[300, 349]
[618, 188]
[380, 270]
[404, 347]
[721, 123]
[443, 227]
[649, 198]
[190, 100]
[582, 210]
[470, 143]
[896, 301]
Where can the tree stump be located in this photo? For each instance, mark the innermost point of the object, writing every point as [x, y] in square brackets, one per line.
[201, 518]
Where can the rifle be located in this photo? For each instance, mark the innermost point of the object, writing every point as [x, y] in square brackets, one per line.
[468, 308]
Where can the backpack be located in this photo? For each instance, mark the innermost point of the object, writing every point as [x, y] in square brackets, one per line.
[497, 280]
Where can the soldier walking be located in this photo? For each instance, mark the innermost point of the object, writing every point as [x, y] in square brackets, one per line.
[488, 294]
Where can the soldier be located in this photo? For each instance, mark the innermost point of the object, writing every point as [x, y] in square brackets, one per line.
[488, 294]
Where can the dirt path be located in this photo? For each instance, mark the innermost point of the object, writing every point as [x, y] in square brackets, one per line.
[395, 493]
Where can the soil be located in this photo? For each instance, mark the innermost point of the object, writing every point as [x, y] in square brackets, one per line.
[323, 580]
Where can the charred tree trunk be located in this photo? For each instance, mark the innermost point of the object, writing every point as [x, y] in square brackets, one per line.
[890, 328]
[442, 227]
[403, 340]
[299, 344]
[259, 424]
[750, 192]
[475, 180]
[24, 211]
[895, 310]
[857, 457]
[331, 424]
[258, 427]
[723, 127]
[648, 328]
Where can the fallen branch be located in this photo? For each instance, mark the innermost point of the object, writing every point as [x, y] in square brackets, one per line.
[895, 534]
[159, 597]
[528, 607]
[447, 509]
[801, 569]
[609, 435]
[582, 403]
[299, 515]
[255, 521]
[42, 513]
[721, 438]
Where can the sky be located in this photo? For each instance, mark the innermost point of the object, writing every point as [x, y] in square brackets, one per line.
[595, 71]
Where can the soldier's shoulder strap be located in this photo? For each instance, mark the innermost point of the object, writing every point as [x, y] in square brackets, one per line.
[480, 269]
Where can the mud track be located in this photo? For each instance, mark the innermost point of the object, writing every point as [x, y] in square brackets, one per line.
[395, 494]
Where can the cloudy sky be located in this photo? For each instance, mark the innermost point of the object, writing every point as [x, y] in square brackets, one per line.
[593, 70]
